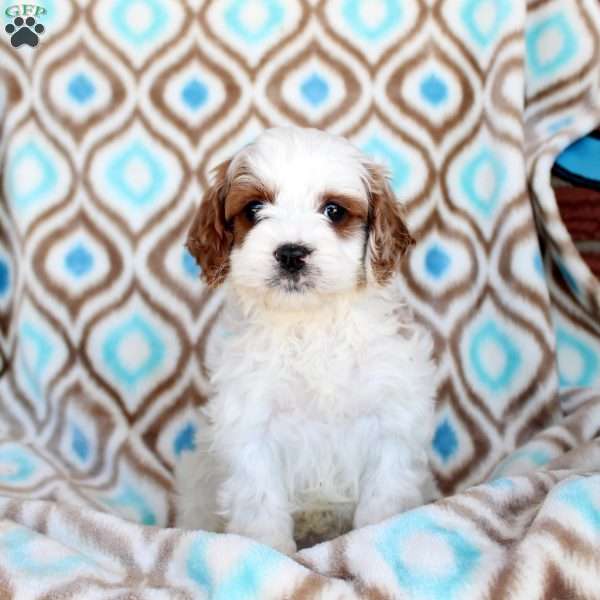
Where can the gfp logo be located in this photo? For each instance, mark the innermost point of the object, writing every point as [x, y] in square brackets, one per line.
[24, 29]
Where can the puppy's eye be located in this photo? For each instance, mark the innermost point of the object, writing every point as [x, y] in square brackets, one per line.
[334, 212]
[252, 209]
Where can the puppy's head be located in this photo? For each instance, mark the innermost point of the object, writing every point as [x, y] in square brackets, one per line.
[297, 215]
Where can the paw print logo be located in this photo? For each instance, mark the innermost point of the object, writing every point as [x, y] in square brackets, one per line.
[24, 31]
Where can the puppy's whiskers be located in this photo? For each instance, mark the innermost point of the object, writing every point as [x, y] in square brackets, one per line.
[299, 282]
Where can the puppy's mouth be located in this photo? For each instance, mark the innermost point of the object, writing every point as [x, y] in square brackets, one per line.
[292, 283]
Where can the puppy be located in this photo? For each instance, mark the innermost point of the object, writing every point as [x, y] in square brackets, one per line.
[323, 386]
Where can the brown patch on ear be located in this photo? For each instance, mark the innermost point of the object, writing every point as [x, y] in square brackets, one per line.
[209, 238]
[389, 238]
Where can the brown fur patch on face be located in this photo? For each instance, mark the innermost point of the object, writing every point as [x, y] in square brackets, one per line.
[220, 222]
[356, 213]
[389, 238]
[242, 192]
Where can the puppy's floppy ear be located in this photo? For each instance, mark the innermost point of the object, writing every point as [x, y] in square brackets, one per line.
[389, 238]
[210, 239]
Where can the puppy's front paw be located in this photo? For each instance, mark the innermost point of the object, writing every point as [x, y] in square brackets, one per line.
[283, 544]
[369, 514]
[379, 508]
[266, 533]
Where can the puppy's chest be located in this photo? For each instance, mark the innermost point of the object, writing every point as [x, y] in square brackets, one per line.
[324, 374]
[335, 367]
[316, 377]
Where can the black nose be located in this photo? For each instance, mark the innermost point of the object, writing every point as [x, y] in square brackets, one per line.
[291, 257]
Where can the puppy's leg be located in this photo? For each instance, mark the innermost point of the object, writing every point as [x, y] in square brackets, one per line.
[392, 483]
[197, 479]
[254, 498]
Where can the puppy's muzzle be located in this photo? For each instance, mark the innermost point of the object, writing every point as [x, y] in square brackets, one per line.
[291, 257]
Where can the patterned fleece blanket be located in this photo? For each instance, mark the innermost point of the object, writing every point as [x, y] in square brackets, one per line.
[112, 112]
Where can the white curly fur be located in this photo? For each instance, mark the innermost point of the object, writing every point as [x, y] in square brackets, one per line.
[323, 397]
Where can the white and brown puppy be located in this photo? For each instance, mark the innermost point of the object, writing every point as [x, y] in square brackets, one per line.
[319, 402]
